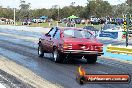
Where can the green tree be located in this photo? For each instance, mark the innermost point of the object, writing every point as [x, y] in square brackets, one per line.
[24, 10]
[38, 12]
[6, 12]
[98, 8]
[129, 2]
[119, 10]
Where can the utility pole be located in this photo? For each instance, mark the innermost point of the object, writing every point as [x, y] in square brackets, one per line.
[14, 16]
[58, 12]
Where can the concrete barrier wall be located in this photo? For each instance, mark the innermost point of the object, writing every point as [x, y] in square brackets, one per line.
[119, 49]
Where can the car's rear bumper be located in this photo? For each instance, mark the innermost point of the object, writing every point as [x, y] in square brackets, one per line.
[82, 52]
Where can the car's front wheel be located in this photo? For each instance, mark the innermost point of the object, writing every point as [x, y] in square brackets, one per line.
[40, 51]
[91, 59]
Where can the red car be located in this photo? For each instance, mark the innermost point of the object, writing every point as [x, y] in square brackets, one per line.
[70, 42]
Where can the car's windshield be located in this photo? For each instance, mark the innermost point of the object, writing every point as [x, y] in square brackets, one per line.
[78, 34]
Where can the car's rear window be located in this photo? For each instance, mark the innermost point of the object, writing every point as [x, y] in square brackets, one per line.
[77, 33]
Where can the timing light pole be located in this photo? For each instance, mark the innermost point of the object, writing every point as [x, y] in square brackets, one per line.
[126, 26]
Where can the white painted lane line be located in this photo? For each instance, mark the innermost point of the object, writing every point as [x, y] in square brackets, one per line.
[2, 86]
[20, 37]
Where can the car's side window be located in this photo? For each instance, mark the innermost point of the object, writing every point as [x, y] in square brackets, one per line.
[52, 32]
[68, 33]
[57, 34]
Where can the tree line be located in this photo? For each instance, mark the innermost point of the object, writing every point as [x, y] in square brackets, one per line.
[98, 8]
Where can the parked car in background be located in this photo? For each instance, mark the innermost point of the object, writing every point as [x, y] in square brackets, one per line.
[26, 22]
[65, 43]
[82, 21]
[70, 23]
[77, 20]
[94, 20]
[38, 21]
[112, 21]
[119, 21]
[64, 20]
[102, 20]
[2, 22]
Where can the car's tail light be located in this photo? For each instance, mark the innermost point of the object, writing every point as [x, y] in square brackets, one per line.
[67, 46]
[99, 48]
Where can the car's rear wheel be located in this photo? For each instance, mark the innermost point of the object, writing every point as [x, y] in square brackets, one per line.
[91, 59]
[57, 56]
[40, 51]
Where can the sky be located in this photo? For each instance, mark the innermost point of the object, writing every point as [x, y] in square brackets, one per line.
[49, 3]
